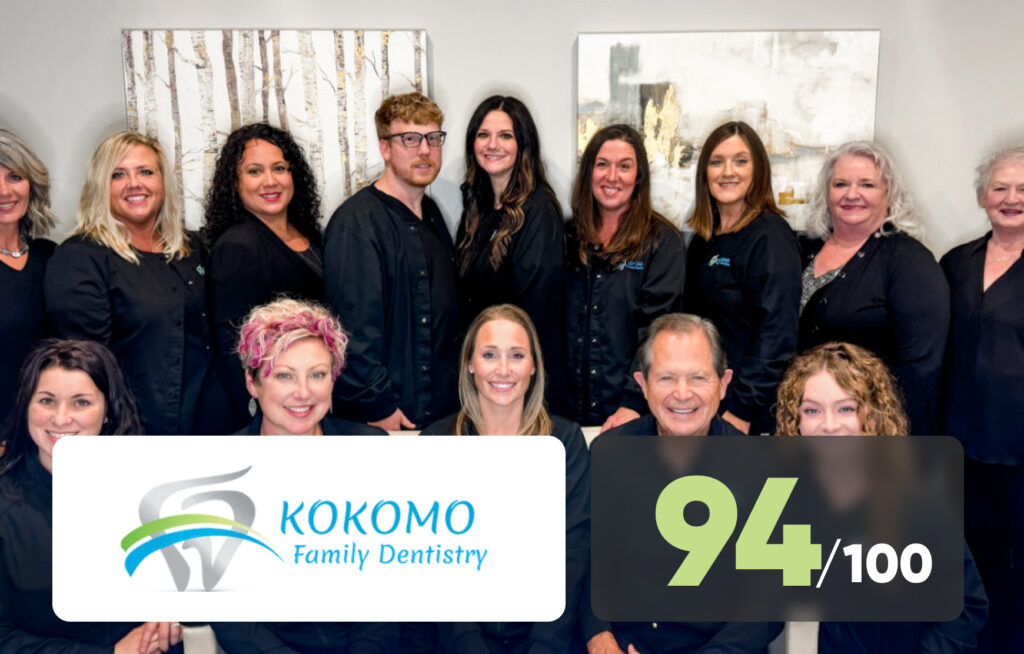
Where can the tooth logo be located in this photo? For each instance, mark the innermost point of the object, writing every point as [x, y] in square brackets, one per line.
[193, 530]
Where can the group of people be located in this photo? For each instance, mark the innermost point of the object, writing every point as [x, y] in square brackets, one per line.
[521, 324]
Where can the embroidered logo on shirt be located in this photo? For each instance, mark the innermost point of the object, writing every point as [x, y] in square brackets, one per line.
[200, 270]
[719, 261]
[630, 265]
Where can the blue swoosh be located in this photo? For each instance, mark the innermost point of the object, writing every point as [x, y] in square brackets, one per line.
[155, 545]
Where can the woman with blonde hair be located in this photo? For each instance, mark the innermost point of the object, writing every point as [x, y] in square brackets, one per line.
[501, 389]
[131, 277]
[25, 218]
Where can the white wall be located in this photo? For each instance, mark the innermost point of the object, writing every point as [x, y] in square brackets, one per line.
[950, 85]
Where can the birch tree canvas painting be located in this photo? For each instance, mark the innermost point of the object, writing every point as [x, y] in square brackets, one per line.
[191, 88]
[803, 92]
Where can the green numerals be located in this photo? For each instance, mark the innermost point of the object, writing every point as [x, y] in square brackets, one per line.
[704, 542]
[795, 556]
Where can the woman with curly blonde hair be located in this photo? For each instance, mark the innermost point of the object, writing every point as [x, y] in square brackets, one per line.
[839, 389]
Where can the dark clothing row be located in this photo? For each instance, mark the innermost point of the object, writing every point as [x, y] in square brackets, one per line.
[23, 322]
[153, 317]
[748, 283]
[390, 277]
[470, 638]
[891, 299]
[27, 620]
[249, 266]
[329, 426]
[530, 276]
[608, 310]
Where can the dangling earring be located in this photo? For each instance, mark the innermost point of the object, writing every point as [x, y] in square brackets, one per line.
[253, 407]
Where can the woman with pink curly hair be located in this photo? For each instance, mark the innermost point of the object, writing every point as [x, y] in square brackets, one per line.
[292, 352]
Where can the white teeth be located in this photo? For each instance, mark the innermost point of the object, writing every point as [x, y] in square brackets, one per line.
[61, 434]
[299, 409]
[502, 386]
[8, 205]
[135, 198]
[682, 412]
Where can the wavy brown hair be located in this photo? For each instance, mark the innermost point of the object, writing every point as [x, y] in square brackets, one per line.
[856, 371]
[478, 193]
[760, 196]
[535, 418]
[633, 238]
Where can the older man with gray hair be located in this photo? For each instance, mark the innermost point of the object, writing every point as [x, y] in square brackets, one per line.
[684, 376]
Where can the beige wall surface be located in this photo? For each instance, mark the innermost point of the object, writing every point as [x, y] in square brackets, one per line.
[950, 84]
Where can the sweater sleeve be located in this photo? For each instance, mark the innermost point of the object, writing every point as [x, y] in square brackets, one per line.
[77, 295]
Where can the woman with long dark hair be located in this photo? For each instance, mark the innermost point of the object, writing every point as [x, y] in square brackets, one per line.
[65, 388]
[743, 272]
[262, 227]
[511, 243]
[626, 266]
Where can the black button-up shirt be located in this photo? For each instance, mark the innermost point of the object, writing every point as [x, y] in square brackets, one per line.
[390, 278]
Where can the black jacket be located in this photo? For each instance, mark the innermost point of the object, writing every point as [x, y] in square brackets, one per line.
[470, 638]
[531, 276]
[892, 299]
[748, 284]
[27, 620]
[152, 315]
[307, 637]
[390, 278]
[25, 321]
[250, 266]
[984, 376]
[608, 311]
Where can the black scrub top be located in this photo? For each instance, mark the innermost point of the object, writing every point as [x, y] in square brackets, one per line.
[153, 317]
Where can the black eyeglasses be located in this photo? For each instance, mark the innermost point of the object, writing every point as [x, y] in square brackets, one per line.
[413, 139]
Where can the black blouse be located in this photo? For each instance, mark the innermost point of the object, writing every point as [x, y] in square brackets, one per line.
[891, 299]
[152, 315]
[984, 376]
[608, 311]
[250, 266]
[531, 276]
[748, 284]
[470, 638]
[23, 322]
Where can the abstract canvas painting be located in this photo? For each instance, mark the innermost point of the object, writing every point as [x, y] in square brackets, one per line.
[191, 88]
[803, 92]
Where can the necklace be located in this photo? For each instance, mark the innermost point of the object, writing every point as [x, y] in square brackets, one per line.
[17, 254]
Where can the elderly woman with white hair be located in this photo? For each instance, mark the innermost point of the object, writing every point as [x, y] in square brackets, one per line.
[984, 390]
[131, 277]
[868, 281]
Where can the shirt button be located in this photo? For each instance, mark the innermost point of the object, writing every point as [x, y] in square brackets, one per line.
[654, 625]
[594, 341]
[860, 255]
[579, 339]
[428, 413]
[598, 275]
[424, 368]
[579, 371]
[824, 300]
[593, 405]
[423, 320]
[190, 282]
[593, 371]
[423, 273]
[593, 308]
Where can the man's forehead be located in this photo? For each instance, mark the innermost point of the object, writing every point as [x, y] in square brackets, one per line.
[682, 353]
[398, 126]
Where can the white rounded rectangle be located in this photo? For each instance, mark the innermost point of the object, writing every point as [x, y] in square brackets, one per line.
[309, 529]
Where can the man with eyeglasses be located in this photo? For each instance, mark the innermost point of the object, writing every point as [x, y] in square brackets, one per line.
[389, 274]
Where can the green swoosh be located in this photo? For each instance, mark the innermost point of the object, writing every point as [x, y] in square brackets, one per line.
[163, 524]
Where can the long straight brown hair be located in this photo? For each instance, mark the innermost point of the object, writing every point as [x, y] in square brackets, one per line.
[634, 236]
[759, 198]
